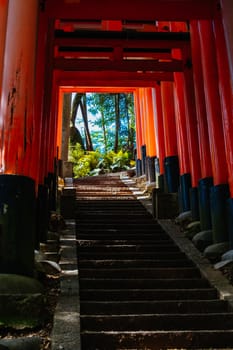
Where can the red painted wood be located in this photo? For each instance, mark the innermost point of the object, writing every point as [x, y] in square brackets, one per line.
[112, 79]
[225, 96]
[159, 130]
[150, 140]
[213, 108]
[182, 143]
[169, 124]
[121, 65]
[138, 123]
[191, 123]
[227, 15]
[203, 136]
[18, 83]
[178, 10]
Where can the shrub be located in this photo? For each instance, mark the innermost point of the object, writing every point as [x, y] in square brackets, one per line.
[94, 163]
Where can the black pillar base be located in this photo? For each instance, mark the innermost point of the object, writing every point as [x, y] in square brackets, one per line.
[185, 185]
[161, 182]
[143, 155]
[171, 168]
[164, 205]
[230, 220]
[218, 202]
[151, 169]
[194, 203]
[51, 183]
[42, 214]
[204, 186]
[17, 224]
[138, 167]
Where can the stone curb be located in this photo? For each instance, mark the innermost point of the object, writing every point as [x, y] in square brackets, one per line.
[66, 328]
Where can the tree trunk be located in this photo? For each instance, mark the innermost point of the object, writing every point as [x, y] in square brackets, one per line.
[83, 106]
[66, 125]
[74, 131]
[117, 122]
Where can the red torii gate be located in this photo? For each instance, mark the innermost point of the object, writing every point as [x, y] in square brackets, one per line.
[183, 113]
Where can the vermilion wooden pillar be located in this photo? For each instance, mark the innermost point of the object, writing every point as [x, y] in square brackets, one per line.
[206, 178]
[227, 109]
[150, 135]
[227, 13]
[17, 113]
[3, 22]
[182, 143]
[142, 105]
[48, 153]
[220, 190]
[151, 144]
[39, 99]
[159, 130]
[171, 163]
[18, 87]
[138, 132]
[192, 134]
[59, 122]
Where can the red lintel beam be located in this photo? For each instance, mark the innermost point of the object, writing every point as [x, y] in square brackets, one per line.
[116, 83]
[123, 65]
[132, 43]
[111, 78]
[83, 54]
[164, 10]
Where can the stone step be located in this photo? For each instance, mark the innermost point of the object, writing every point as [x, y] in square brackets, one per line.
[137, 289]
[119, 263]
[179, 272]
[121, 243]
[130, 248]
[157, 340]
[133, 255]
[117, 237]
[147, 294]
[175, 283]
[124, 227]
[113, 204]
[151, 307]
[113, 214]
[148, 322]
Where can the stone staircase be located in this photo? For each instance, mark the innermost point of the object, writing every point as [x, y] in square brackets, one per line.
[138, 290]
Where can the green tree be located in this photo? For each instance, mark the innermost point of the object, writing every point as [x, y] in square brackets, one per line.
[80, 101]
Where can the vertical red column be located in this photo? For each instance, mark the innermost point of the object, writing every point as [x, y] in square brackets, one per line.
[150, 140]
[182, 143]
[171, 162]
[220, 190]
[17, 113]
[159, 130]
[206, 180]
[151, 144]
[191, 122]
[142, 104]
[138, 132]
[48, 153]
[18, 86]
[39, 98]
[225, 96]
[3, 23]
[226, 100]
[192, 133]
[227, 13]
[59, 122]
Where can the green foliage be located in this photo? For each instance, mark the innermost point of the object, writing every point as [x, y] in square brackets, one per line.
[90, 163]
[84, 161]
